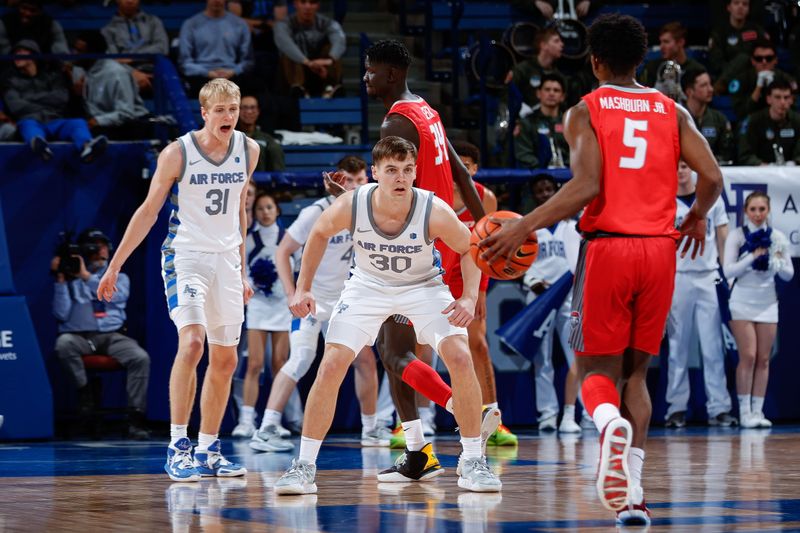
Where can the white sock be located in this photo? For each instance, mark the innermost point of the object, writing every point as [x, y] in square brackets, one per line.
[472, 447]
[309, 449]
[757, 404]
[177, 432]
[415, 440]
[569, 412]
[635, 465]
[271, 417]
[603, 414]
[204, 440]
[449, 405]
[368, 422]
[492, 405]
[744, 404]
[247, 415]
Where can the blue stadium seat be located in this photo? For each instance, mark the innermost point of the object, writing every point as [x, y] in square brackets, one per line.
[333, 112]
[322, 157]
[724, 105]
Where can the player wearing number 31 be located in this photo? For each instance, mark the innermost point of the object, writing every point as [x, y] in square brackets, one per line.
[203, 259]
[626, 141]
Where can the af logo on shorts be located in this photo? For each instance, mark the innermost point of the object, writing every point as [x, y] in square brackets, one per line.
[191, 291]
[341, 307]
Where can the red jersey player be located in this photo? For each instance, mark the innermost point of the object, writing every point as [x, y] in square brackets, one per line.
[626, 141]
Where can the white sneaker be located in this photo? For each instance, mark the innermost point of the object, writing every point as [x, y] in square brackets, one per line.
[269, 440]
[568, 425]
[763, 422]
[749, 421]
[299, 479]
[587, 422]
[613, 474]
[243, 430]
[548, 424]
[475, 475]
[379, 436]
[283, 432]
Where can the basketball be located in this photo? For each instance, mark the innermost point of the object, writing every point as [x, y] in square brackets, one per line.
[497, 269]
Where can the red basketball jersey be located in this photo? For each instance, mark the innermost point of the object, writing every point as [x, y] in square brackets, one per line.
[433, 160]
[464, 215]
[638, 134]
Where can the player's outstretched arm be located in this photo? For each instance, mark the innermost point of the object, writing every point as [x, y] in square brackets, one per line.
[444, 224]
[336, 218]
[586, 166]
[697, 154]
[167, 171]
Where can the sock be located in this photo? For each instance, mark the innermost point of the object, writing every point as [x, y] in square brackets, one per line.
[449, 405]
[601, 399]
[177, 432]
[309, 449]
[415, 440]
[569, 412]
[635, 465]
[368, 422]
[492, 405]
[204, 440]
[603, 414]
[247, 415]
[472, 447]
[757, 404]
[271, 417]
[744, 404]
[425, 380]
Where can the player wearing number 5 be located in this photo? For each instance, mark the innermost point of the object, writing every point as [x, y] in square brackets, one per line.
[625, 142]
[205, 173]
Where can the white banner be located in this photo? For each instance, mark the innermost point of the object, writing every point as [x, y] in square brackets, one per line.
[782, 184]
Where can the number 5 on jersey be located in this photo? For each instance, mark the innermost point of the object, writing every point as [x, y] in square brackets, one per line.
[639, 144]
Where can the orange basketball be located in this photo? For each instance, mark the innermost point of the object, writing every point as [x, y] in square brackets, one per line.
[497, 269]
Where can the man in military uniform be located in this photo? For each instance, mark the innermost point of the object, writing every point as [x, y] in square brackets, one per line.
[696, 85]
[547, 120]
[271, 157]
[735, 36]
[527, 75]
[672, 41]
[771, 136]
[746, 81]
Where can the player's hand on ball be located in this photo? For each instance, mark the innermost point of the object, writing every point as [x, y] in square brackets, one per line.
[108, 285]
[505, 241]
[462, 311]
[693, 231]
[248, 291]
[302, 304]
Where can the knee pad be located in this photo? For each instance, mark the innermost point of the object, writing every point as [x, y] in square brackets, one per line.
[224, 335]
[303, 350]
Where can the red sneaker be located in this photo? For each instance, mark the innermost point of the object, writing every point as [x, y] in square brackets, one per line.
[612, 472]
[634, 515]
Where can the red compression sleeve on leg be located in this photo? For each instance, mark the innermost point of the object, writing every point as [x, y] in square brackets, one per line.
[426, 381]
[598, 389]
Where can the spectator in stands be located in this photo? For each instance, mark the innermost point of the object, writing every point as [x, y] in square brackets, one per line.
[37, 98]
[7, 126]
[547, 121]
[696, 85]
[311, 47]
[110, 93]
[772, 135]
[29, 22]
[258, 22]
[527, 75]
[132, 31]
[87, 326]
[215, 44]
[734, 37]
[746, 81]
[672, 42]
[271, 157]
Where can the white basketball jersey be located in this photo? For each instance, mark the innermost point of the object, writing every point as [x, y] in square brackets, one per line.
[338, 257]
[716, 217]
[205, 200]
[553, 259]
[408, 258]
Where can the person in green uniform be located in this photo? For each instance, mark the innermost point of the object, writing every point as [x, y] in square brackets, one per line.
[547, 120]
[271, 157]
[696, 85]
[527, 75]
[772, 135]
[733, 37]
[672, 42]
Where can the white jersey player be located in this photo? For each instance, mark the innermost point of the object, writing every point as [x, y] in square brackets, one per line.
[695, 307]
[396, 271]
[203, 262]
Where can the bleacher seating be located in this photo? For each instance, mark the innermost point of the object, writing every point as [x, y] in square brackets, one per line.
[334, 112]
[316, 158]
[94, 16]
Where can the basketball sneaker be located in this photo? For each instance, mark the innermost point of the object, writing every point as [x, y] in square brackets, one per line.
[299, 479]
[283, 432]
[490, 421]
[502, 436]
[243, 430]
[475, 475]
[723, 420]
[568, 425]
[761, 420]
[211, 462]
[398, 438]
[269, 440]
[180, 465]
[612, 472]
[549, 424]
[749, 421]
[413, 466]
[379, 436]
[635, 514]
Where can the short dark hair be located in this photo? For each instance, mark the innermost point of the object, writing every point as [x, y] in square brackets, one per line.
[778, 84]
[689, 77]
[619, 41]
[467, 149]
[393, 147]
[556, 77]
[675, 28]
[543, 177]
[352, 164]
[544, 35]
[763, 43]
[260, 193]
[389, 52]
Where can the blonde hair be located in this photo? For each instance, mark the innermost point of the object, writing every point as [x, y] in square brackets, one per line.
[218, 88]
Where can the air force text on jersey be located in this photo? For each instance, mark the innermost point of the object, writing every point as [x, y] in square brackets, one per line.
[217, 178]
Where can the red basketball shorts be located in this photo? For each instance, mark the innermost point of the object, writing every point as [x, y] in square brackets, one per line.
[622, 295]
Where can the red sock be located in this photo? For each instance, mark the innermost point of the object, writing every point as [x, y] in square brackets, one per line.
[426, 381]
[598, 389]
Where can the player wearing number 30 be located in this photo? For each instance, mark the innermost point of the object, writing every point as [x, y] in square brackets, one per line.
[394, 226]
[205, 173]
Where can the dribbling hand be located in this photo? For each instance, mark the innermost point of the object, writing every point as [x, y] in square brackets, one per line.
[462, 312]
[302, 304]
[506, 240]
[693, 230]
[107, 286]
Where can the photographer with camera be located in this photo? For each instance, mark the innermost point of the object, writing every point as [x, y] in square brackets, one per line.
[88, 326]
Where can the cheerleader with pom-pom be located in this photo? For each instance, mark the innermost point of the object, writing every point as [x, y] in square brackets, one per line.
[754, 254]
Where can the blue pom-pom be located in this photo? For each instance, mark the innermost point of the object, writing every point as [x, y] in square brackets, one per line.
[264, 275]
[760, 239]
